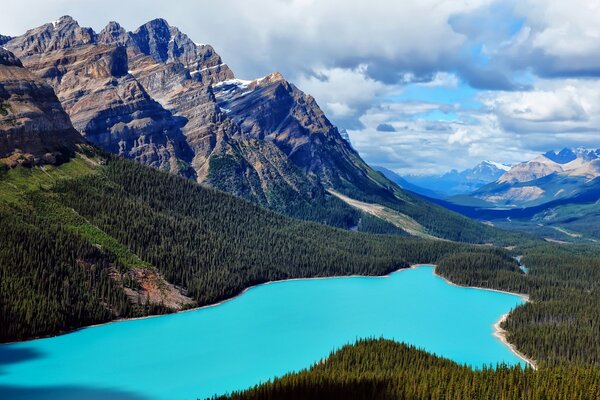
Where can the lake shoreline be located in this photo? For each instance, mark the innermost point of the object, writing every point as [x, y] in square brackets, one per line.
[499, 333]
[221, 302]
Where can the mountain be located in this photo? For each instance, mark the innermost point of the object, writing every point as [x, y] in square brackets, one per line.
[554, 196]
[155, 96]
[548, 177]
[34, 128]
[89, 237]
[455, 182]
[406, 185]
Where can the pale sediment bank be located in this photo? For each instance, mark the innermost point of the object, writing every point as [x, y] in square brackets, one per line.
[500, 333]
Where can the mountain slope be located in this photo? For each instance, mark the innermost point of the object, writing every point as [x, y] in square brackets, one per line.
[33, 126]
[129, 240]
[155, 96]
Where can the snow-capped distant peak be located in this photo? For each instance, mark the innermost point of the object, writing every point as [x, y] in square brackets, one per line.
[498, 165]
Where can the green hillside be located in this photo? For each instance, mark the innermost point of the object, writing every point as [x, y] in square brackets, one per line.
[100, 238]
[382, 369]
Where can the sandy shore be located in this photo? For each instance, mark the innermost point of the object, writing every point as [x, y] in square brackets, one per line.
[501, 335]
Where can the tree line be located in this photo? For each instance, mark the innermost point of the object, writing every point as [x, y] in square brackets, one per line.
[383, 369]
[69, 244]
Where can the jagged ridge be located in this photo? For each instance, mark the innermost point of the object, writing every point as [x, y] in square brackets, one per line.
[155, 96]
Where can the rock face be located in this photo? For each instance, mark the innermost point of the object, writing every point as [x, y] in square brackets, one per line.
[106, 104]
[155, 96]
[34, 128]
[62, 34]
[272, 109]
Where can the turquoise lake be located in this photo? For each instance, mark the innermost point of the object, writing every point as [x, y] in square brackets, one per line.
[268, 331]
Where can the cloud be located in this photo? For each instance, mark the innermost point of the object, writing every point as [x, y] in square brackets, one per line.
[557, 39]
[460, 136]
[385, 128]
[565, 110]
[442, 79]
[343, 93]
[422, 85]
[509, 127]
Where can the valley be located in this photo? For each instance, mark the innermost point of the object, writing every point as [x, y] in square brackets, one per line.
[170, 230]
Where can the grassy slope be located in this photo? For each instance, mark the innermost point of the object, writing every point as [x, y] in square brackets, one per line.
[30, 190]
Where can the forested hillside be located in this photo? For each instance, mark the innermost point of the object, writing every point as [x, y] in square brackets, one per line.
[561, 324]
[382, 369]
[99, 238]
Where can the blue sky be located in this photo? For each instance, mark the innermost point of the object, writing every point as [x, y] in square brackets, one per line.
[451, 82]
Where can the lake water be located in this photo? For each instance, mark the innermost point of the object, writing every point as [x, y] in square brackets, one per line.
[268, 331]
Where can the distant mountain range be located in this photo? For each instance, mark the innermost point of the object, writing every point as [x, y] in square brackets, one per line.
[405, 184]
[451, 183]
[556, 196]
[549, 177]
[155, 96]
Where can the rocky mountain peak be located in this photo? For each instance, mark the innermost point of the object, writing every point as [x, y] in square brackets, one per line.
[167, 44]
[64, 20]
[153, 39]
[273, 78]
[113, 33]
[63, 33]
[4, 39]
[564, 156]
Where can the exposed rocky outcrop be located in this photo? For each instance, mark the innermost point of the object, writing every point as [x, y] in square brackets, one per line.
[146, 286]
[34, 128]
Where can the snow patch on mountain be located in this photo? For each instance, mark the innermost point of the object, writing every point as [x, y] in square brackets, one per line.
[500, 166]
